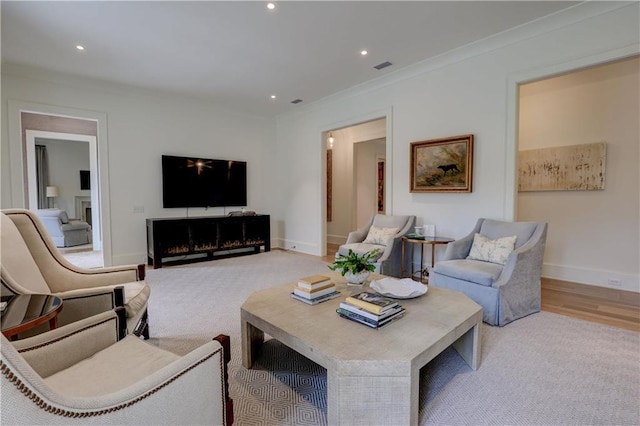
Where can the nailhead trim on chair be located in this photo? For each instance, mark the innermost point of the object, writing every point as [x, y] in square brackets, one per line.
[65, 413]
[69, 335]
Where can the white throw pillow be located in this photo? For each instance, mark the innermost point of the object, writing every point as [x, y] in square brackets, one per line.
[380, 236]
[494, 251]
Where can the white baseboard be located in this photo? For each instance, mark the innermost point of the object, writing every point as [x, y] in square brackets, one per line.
[336, 239]
[129, 259]
[298, 246]
[600, 278]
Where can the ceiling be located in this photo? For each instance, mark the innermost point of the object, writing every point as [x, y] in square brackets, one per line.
[239, 53]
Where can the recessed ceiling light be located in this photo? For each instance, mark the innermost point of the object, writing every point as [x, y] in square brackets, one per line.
[273, 96]
[79, 47]
[364, 52]
[271, 5]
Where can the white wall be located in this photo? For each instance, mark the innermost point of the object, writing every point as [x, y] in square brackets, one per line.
[66, 159]
[141, 126]
[366, 156]
[593, 235]
[470, 90]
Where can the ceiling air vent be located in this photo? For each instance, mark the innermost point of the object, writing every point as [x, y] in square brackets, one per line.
[383, 65]
[296, 101]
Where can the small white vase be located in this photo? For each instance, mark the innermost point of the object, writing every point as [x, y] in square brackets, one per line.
[358, 278]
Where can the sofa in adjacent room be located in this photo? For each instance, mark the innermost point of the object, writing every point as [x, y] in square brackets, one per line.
[63, 231]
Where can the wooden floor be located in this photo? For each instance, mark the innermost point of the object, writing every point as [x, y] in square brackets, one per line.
[608, 306]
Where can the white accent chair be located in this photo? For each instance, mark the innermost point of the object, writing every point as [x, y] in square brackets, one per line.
[63, 231]
[505, 292]
[389, 262]
[82, 374]
[31, 264]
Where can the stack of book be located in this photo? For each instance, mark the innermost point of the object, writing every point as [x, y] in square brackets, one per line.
[370, 309]
[315, 289]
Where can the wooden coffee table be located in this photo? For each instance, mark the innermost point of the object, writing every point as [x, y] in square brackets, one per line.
[372, 375]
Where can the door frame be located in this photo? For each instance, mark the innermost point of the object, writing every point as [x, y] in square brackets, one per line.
[32, 202]
[17, 155]
[513, 99]
[387, 115]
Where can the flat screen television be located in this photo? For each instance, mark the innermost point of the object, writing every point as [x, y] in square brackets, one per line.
[203, 182]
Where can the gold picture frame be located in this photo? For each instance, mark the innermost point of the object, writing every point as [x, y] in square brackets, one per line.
[442, 165]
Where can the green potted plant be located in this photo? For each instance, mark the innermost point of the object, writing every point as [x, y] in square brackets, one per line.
[355, 267]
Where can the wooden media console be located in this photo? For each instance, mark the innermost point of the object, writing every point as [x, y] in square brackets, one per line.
[178, 238]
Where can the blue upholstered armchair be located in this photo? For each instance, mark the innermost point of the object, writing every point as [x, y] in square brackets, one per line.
[506, 291]
[384, 233]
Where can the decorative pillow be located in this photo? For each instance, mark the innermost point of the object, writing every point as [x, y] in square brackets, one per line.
[380, 236]
[494, 251]
[64, 218]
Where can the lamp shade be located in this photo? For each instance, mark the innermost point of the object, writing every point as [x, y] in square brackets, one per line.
[52, 191]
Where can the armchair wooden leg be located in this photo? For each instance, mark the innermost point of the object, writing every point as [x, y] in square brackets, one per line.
[225, 341]
[118, 296]
[122, 322]
[142, 329]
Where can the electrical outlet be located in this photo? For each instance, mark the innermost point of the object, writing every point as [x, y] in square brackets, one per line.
[615, 282]
[292, 247]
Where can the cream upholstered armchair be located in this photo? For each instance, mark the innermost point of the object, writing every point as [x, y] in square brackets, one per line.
[81, 374]
[498, 265]
[31, 263]
[385, 233]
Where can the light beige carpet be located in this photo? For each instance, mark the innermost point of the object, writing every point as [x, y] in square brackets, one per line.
[85, 259]
[545, 369]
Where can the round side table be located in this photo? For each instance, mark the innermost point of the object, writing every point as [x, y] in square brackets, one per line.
[423, 271]
[22, 312]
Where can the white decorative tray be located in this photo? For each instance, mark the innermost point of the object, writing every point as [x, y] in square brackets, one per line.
[404, 288]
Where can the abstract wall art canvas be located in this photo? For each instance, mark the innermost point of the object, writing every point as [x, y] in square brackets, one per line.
[563, 168]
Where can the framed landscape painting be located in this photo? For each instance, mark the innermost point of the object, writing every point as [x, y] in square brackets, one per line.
[442, 165]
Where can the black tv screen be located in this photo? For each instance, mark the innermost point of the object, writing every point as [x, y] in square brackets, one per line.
[203, 182]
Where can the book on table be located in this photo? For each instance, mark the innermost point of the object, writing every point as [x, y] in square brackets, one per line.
[350, 315]
[316, 292]
[374, 317]
[315, 289]
[371, 302]
[316, 300]
[313, 281]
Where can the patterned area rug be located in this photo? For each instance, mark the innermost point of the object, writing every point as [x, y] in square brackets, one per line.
[545, 369]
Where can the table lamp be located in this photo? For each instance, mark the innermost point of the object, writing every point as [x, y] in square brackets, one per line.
[52, 192]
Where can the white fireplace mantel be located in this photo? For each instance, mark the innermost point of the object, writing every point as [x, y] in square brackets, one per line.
[82, 204]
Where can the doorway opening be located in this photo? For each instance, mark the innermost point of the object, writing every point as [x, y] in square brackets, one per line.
[23, 116]
[595, 104]
[358, 183]
[70, 145]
